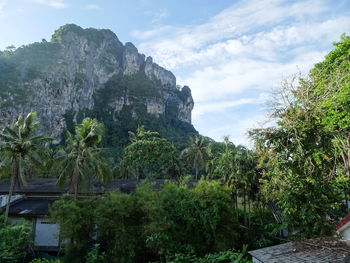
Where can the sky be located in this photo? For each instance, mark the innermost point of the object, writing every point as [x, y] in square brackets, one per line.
[232, 54]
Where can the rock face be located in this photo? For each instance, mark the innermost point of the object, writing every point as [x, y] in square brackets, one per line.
[86, 70]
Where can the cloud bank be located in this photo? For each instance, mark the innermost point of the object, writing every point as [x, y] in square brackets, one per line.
[59, 4]
[233, 61]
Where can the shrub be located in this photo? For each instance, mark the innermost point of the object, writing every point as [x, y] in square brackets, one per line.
[221, 257]
[45, 260]
[15, 241]
[94, 256]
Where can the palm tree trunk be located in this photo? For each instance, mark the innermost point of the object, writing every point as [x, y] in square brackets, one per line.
[245, 207]
[76, 183]
[12, 188]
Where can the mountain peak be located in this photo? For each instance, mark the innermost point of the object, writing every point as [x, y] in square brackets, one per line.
[89, 72]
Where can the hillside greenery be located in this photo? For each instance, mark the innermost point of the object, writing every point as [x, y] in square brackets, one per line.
[137, 90]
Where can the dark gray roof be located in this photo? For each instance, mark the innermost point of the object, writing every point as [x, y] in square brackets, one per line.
[299, 252]
[31, 207]
[37, 185]
[48, 186]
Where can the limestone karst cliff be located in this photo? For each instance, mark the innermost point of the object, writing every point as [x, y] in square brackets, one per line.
[89, 72]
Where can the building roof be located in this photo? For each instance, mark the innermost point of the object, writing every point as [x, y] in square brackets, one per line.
[316, 251]
[343, 223]
[44, 186]
[31, 207]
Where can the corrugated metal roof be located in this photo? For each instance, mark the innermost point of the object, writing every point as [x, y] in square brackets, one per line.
[298, 252]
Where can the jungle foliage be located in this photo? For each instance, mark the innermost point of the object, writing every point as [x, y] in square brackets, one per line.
[305, 157]
[152, 225]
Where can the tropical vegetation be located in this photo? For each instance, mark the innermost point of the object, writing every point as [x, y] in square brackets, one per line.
[213, 204]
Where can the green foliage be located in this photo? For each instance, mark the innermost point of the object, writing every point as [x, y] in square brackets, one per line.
[20, 148]
[15, 241]
[76, 220]
[183, 220]
[92, 34]
[306, 157]
[119, 222]
[139, 90]
[221, 257]
[21, 66]
[81, 161]
[94, 256]
[196, 154]
[151, 225]
[149, 156]
[45, 260]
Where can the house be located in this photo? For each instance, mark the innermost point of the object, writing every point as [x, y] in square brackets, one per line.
[321, 250]
[32, 203]
[343, 229]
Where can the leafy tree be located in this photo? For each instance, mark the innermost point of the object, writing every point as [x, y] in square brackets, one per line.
[81, 161]
[197, 154]
[20, 147]
[300, 162]
[328, 87]
[76, 218]
[183, 220]
[149, 156]
[150, 224]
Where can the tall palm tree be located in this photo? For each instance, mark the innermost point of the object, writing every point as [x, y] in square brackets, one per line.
[197, 153]
[81, 161]
[20, 147]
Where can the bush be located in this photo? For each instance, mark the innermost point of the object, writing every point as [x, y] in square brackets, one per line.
[15, 241]
[94, 256]
[45, 260]
[221, 257]
[183, 220]
[153, 225]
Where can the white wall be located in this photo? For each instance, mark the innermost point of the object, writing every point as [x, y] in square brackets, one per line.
[46, 233]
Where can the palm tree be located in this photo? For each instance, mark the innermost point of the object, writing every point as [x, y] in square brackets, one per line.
[20, 147]
[81, 161]
[197, 153]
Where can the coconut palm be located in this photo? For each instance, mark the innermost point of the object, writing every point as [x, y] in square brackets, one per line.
[197, 153]
[20, 148]
[81, 160]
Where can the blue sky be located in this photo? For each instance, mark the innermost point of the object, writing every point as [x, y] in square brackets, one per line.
[232, 54]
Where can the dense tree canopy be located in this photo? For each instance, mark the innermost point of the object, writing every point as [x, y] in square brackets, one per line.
[306, 155]
[149, 156]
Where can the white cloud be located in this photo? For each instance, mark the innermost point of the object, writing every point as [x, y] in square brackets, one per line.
[238, 56]
[158, 15]
[92, 7]
[59, 4]
[223, 105]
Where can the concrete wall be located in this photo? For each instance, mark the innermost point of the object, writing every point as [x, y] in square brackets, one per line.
[46, 233]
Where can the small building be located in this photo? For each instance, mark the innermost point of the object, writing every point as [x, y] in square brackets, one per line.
[32, 202]
[343, 229]
[320, 250]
